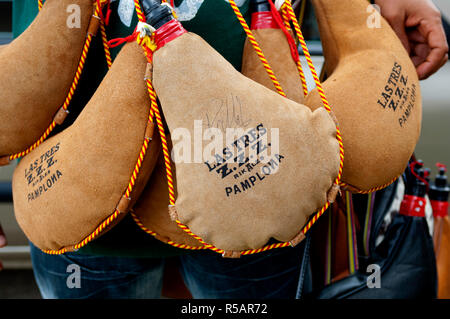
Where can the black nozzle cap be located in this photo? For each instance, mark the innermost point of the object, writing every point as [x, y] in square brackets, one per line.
[427, 174]
[421, 187]
[441, 178]
[416, 186]
[156, 14]
[440, 190]
[411, 179]
[259, 6]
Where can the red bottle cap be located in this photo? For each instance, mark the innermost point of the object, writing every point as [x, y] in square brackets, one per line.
[263, 20]
[168, 32]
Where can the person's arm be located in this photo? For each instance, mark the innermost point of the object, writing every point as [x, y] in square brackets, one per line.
[418, 24]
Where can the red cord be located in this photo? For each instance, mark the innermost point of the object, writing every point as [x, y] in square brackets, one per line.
[118, 41]
[108, 12]
[279, 21]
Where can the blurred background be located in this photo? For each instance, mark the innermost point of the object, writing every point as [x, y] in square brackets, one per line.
[16, 280]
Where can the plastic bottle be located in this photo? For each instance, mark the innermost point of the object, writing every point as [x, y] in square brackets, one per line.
[414, 200]
[439, 194]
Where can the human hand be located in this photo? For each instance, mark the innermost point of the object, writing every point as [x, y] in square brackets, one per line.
[418, 24]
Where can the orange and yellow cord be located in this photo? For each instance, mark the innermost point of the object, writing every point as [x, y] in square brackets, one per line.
[156, 235]
[155, 109]
[257, 48]
[89, 238]
[105, 45]
[285, 23]
[289, 13]
[374, 189]
[104, 21]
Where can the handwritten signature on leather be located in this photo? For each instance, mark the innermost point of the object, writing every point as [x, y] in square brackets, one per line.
[227, 113]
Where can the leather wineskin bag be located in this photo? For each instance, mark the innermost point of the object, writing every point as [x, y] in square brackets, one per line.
[374, 91]
[37, 71]
[236, 204]
[64, 189]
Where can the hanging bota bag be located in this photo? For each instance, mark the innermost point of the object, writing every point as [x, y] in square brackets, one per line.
[279, 48]
[80, 182]
[150, 211]
[374, 90]
[261, 165]
[39, 73]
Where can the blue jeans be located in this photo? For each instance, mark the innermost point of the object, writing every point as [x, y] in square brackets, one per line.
[272, 274]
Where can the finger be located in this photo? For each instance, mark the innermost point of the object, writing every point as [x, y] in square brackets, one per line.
[414, 35]
[438, 48]
[418, 54]
[399, 28]
[444, 61]
[417, 60]
[397, 22]
[432, 63]
[422, 50]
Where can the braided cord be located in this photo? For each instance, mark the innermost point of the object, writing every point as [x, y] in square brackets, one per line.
[257, 48]
[105, 45]
[286, 24]
[290, 12]
[371, 190]
[156, 235]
